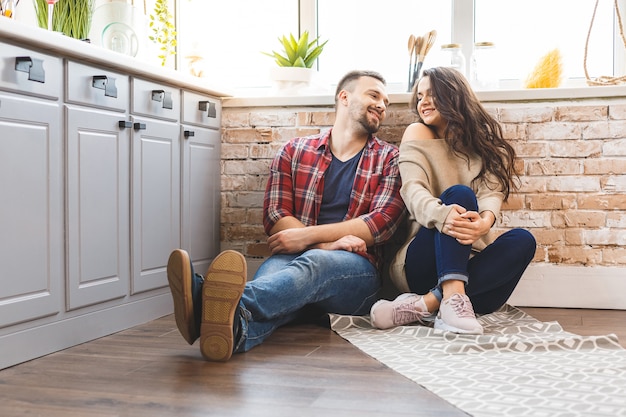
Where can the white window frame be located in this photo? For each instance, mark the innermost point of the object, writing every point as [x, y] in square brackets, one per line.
[463, 27]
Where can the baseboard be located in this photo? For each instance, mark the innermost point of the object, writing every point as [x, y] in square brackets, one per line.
[554, 286]
[571, 287]
[38, 341]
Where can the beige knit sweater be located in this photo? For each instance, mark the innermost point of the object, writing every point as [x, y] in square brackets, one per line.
[428, 167]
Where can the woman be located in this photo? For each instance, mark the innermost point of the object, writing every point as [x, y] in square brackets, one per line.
[456, 171]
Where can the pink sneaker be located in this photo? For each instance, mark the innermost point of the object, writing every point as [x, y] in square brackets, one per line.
[406, 308]
[456, 315]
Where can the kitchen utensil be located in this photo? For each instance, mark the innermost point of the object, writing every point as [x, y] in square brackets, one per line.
[411, 47]
[419, 42]
[429, 41]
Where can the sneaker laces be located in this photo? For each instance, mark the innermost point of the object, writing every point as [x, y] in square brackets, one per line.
[462, 306]
[407, 313]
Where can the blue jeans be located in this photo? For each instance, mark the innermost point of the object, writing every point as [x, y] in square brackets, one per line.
[490, 276]
[330, 281]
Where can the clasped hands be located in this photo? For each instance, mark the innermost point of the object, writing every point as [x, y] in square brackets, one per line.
[467, 226]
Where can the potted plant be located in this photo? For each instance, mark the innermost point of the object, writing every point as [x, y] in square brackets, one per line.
[295, 62]
[70, 17]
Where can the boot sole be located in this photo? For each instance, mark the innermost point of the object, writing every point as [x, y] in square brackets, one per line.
[179, 279]
[222, 289]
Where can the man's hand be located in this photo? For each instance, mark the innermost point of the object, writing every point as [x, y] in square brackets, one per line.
[348, 243]
[288, 241]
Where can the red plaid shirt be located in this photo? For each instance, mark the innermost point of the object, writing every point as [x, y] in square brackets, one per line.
[296, 184]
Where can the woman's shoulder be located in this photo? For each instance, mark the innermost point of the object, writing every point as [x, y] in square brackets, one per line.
[417, 131]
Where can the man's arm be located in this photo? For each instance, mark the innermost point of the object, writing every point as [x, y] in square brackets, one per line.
[290, 236]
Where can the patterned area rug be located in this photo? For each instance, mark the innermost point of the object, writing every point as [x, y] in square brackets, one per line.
[519, 367]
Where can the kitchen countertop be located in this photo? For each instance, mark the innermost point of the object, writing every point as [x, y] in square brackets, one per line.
[53, 42]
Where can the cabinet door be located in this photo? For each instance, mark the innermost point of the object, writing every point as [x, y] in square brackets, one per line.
[98, 206]
[201, 195]
[155, 200]
[31, 211]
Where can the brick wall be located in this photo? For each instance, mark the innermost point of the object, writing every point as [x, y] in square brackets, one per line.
[572, 155]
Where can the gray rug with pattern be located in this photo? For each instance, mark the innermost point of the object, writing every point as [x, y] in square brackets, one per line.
[519, 367]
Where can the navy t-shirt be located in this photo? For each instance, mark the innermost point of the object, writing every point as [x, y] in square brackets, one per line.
[338, 181]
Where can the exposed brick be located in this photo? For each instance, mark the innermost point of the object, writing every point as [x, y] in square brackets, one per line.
[614, 256]
[572, 218]
[514, 202]
[524, 219]
[573, 184]
[234, 151]
[554, 130]
[602, 201]
[581, 113]
[245, 232]
[526, 114]
[247, 135]
[604, 166]
[605, 237]
[577, 149]
[548, 237]
[574, 237]
[260, 166]
[233, 215]
[617, 111]
[322, 118]
[233, 119]
[571, 157]
[582, 255]
[551, 201]
[614, 147]
[554, 167]
[272, 118]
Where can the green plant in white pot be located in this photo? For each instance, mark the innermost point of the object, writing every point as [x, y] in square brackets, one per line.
[295, 62]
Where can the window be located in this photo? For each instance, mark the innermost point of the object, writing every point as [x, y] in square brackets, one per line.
[367, 34]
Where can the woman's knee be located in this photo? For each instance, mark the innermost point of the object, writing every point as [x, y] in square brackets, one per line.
[461, 195]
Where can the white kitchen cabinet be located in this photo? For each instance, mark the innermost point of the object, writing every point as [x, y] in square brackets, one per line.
[31, 209]
[98, 182]
[92, 168]
[31, 186]
[155, 187]
[200, 200]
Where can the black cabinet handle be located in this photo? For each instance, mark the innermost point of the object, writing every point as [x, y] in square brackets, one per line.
[163, 96]
[125, 124]
[208, 107]
[102, 82]
[139, 126]
[33, 66]
[189, 133]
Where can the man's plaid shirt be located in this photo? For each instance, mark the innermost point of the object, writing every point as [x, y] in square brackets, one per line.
[296, 184]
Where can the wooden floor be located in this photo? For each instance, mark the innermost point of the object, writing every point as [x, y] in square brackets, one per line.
[302, 370]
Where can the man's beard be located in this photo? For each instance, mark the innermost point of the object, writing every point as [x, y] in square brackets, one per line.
[369, 125]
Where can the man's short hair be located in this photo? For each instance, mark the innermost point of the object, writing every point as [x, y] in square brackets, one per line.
[346, 80]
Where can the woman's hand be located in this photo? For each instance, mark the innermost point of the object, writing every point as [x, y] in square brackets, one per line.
[467, 226]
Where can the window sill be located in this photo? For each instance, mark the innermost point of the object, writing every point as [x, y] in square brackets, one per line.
[513, 95]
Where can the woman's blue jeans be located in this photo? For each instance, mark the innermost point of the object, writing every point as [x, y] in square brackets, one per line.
[331, 281]
[490, 276]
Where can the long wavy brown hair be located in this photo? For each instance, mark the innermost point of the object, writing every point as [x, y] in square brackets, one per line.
[471, 130]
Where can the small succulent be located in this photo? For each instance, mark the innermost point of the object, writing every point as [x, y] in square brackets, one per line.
[297, 52]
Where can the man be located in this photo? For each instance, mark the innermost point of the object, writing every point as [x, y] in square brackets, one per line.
[331, 201]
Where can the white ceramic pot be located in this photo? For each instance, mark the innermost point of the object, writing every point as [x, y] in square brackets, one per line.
[291, 80]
